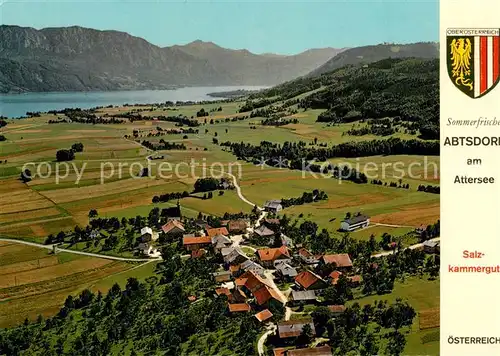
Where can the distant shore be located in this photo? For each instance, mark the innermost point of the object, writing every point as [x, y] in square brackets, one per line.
[232, 94]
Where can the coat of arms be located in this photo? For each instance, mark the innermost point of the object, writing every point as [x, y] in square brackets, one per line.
[473, 59]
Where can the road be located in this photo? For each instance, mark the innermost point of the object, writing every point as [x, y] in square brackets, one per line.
[262, 340]
[412, 247]
[51, 247]
[238, 188]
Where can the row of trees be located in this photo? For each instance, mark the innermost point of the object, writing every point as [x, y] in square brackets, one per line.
[170, 196]
[69, 155]
[163, 145]
[391, 184]
[305, 198]
[210, 184]
[429, 188]
[298, 151]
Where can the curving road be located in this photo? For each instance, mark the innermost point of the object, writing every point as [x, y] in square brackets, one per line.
[51, 247]
[262, 340]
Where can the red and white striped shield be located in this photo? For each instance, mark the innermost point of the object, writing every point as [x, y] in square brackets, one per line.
[474, 59]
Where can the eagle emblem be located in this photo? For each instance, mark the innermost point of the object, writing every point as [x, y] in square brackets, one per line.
[473, 59]
[460, 58]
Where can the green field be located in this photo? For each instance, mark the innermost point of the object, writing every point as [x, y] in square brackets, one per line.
[422, 294]
[45, 206]
[35, 282]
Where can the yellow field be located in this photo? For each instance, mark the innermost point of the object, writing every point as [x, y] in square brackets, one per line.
[429, 318]
[33, 281]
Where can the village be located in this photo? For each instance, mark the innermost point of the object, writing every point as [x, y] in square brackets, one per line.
[258, 280]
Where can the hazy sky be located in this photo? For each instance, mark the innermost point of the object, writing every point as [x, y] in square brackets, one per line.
[279, 26]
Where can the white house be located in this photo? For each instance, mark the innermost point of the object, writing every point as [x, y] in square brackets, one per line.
[273, 206]
[148, 250]
[147, 234]
[355, 222]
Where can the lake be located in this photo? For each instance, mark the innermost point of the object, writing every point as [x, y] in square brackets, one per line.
[16, 105]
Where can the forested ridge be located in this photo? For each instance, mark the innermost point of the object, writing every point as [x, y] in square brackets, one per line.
[404, 89]
[298, 151]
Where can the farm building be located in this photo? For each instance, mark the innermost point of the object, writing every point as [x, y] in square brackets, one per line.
[147, 234]
[337, 309]
[192, 243]
[273, 206]
[173, 227]
[233, 255]
[263, 315]
[431, 246]
[220, 241]
[261, 288]
[307, 257]
[239, 307]
[237, 226]
[303, 296]
[285, 270]
[356, 222]
[250, 265]
[271, 222]
[309, 280]
[148, 249]
[340, 261]
[264, 231]
[217, 231]
[222, 276]
[269, 256]
[293, 328]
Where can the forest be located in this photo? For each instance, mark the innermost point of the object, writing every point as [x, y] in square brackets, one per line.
[402, 88]
[298, 151]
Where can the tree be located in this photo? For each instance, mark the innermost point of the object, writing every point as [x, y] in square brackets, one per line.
[206, 184]
[396, 344]
[77, 147]
[370, 345]
[65, 155]
[93, 213]
[26, 176]
[306, 335]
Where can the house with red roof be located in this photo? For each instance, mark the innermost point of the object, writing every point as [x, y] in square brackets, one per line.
[193, 243]
[263, 315]
[260, 287]
[337, 309]
[340, 261]
[239, 307]
[173, 227]
[237, 226]
[217, 231]
[269, 256]
[309, 280]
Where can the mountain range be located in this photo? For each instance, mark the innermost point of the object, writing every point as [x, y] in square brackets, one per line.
[77, 59]
[82, 59]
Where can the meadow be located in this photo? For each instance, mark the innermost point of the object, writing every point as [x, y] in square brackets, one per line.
[35, 282]
[423, 295]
